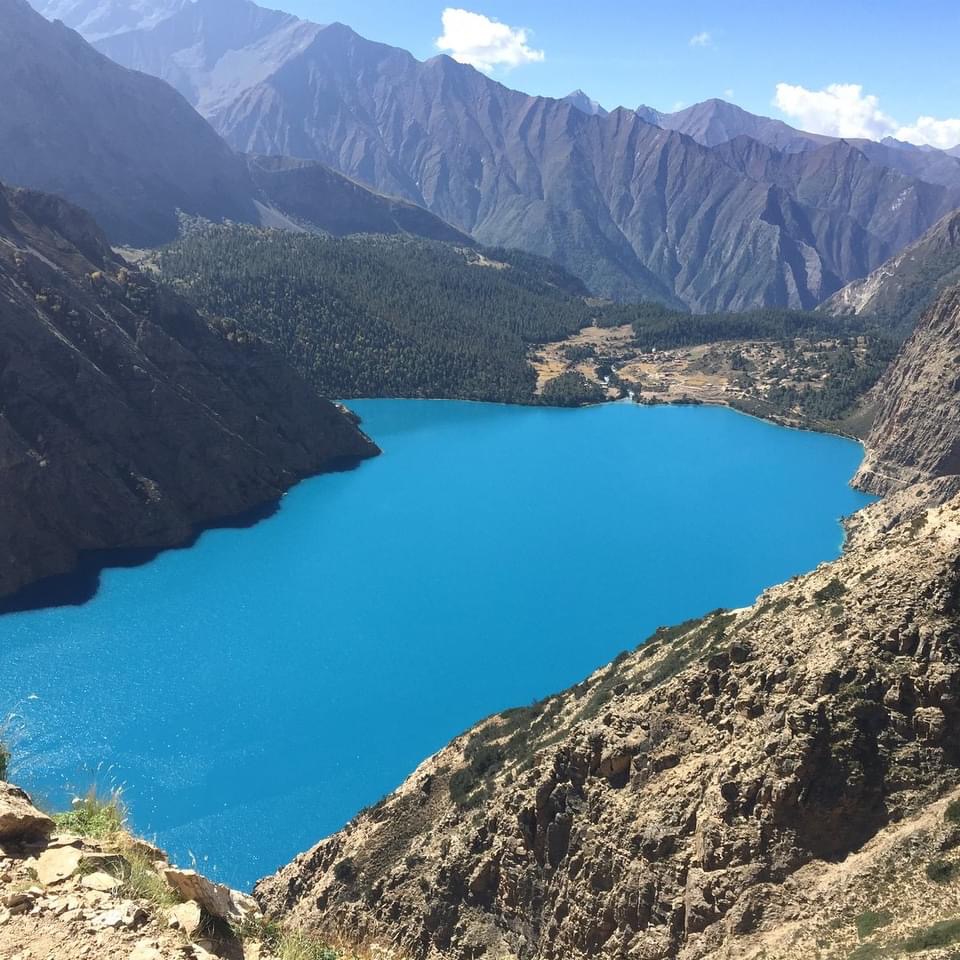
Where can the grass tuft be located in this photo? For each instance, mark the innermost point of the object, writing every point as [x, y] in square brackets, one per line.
[941, 871]
[96, 816]
[141, 881]
[870, 921]
[296, 945]
[285, 944]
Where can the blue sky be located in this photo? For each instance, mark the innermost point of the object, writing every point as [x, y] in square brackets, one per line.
[902, 55]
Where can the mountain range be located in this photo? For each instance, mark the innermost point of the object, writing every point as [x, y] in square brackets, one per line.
[134, 153]
[709, 208]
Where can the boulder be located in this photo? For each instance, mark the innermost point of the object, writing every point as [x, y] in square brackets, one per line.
[146, 950]
[57, 864]
[104, 882]
[217, 900]
[19, 818]
[186, 917]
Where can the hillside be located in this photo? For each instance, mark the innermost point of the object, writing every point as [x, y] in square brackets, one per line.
[901, 289]
[635, 210]
[317, 198]
[916, 434]
[380, 316]
[127, 419]
[695, 797]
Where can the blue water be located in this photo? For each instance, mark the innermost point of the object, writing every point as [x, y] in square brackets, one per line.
[252, 692]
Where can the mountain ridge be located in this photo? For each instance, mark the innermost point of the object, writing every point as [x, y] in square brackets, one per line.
[635, 210]
[908, 282]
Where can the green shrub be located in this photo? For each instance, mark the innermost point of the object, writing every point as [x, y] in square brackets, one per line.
[952, 813]
[941, 934]
[94, 815]
[834, 590]
[4, 760]
[345, 871]
[940, 871]
[870, 921]
[296, 945]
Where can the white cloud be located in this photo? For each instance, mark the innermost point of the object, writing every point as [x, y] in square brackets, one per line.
[844, 110]
[701, 39]
[936, 133]
[483, 42]
[728, 94]
[841, 110]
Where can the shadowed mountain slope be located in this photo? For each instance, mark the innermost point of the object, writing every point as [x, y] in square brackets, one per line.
[125, 418]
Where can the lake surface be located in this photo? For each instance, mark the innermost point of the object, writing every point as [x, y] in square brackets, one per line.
[254, 691]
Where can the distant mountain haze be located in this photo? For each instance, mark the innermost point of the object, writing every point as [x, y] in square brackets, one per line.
[97, 19]
[135, 153]
[123, 145]
[709, 208]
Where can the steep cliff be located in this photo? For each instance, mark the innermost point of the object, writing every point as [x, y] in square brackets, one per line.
[903, 287]
[665, 806]
[916, 434]
[125, 418]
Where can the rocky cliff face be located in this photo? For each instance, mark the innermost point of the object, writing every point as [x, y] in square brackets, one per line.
[916, 434]
[125, 418]
[663, 807]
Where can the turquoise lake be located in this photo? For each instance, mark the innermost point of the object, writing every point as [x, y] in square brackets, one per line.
[253, 691]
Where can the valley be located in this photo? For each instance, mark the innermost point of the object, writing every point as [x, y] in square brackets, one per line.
[403, 555]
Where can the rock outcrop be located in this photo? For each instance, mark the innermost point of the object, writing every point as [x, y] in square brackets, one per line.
[916, 433]
[19, 817]
[666, 806]
[125, 418]
[95, 894]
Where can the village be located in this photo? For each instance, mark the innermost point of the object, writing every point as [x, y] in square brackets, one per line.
[766, 378]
